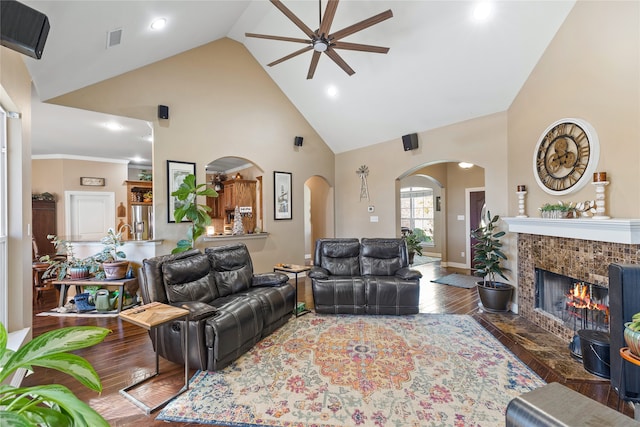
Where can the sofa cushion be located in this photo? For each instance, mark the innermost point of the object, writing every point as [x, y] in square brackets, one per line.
[340, 257]
[232, 268]
[189, 280]
[382, 257]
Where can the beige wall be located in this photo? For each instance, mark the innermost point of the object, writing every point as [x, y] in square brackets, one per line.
[221, 103]
[15, 96]
[59, 175]
[591, 70]
[481, 141]
[458, 181]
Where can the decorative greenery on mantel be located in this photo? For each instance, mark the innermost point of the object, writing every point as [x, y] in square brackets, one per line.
[567, 210]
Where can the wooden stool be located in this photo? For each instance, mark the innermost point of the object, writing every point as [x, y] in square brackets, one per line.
[627, 356]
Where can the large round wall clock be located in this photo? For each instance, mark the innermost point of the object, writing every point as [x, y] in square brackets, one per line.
[566, 156]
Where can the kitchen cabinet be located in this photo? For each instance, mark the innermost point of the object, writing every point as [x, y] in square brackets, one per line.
[235, 192]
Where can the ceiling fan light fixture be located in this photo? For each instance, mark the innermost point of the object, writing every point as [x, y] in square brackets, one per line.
[320, 45]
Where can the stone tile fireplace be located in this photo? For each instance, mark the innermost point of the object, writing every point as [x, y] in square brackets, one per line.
[581, 249]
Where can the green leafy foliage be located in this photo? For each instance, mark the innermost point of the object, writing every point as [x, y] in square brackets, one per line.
[59, 267]
[413, 243]
[111, 247]
[488, 257]
[190, 209]
[50, 405]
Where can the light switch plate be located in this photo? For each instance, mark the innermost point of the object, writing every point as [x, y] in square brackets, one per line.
[373, 218]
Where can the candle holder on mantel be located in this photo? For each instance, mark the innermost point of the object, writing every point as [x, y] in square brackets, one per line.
[600, 203]
[521, 204]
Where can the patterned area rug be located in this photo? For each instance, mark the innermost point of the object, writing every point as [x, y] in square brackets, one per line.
[379, 371]
[459, 280]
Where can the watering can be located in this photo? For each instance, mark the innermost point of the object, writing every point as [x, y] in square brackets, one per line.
[103, 302]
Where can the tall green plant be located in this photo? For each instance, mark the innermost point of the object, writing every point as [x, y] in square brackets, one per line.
[488, 257]
[198, 214]
[54, 404]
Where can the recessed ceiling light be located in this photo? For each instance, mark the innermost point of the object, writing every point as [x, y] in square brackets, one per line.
[482, 11]
[113, 126]
[158, 24]
[332, 91]
[465, 165]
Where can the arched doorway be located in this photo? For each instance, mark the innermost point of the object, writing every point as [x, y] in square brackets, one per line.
[451, 216]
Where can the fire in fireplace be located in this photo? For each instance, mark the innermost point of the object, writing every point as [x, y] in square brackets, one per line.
[580, 305]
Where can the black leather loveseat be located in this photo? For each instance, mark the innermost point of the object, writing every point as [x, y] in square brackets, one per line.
[369, 276]
[231, 307]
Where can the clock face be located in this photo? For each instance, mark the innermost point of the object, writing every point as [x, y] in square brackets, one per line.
[566, 156]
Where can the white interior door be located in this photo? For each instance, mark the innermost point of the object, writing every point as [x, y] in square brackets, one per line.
[89, 214]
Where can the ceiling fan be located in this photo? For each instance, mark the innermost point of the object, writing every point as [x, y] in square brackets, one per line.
[321, 40]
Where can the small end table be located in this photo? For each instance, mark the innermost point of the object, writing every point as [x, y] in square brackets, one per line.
[295, 270]
[151, 316]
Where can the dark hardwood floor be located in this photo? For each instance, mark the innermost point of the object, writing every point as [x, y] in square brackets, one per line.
[126, 355]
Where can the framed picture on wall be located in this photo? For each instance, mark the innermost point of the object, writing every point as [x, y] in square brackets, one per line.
[282, 195]
[176, 172]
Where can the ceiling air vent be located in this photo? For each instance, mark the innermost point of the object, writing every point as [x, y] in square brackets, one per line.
[114, 37]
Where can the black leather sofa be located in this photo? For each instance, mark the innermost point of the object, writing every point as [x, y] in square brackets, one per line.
[231, 308]
[368, 276]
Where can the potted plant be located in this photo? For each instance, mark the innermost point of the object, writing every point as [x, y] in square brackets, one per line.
[487, 262]
[53, 404]
[413, 245]
[632, 334]
[60, 268]
[113, 260]
[190, 209]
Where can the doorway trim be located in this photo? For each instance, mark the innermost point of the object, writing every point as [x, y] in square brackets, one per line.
[467, 223]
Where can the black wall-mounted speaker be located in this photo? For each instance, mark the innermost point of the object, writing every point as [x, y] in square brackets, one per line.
[23, 29]
[163, 112]
[410, 142]
[297, 141]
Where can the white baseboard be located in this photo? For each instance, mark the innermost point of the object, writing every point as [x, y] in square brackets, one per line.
[454, 265]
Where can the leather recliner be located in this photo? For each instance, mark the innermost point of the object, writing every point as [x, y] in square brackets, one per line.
[231, 308]
[371, 276]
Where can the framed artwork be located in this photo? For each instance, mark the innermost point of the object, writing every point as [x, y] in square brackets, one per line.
[89, 180]
[282, 195]
[176, 171]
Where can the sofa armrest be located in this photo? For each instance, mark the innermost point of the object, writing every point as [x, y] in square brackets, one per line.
[318, 273]
[407, 274]
[269, 279]
[197, 310]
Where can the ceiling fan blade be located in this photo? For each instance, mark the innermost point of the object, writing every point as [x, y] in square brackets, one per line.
[338, 60]
[291, 55]
[293, 18]
[314, 64]
[327, 19]
[358, 46]
[361, 25]
[284, 39]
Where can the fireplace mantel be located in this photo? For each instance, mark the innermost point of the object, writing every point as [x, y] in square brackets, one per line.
[606, 230]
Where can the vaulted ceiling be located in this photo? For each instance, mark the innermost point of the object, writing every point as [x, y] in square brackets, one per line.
[443, 66]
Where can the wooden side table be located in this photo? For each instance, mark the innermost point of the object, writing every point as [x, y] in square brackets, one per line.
[151, 316]
[295, 270]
